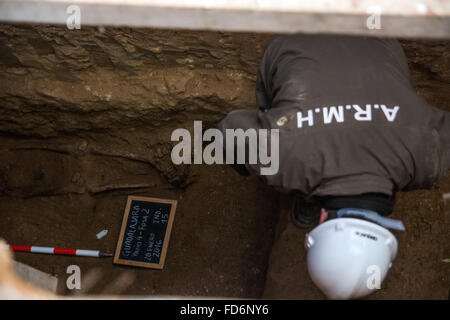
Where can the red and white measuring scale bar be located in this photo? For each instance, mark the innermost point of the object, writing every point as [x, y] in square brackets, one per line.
[48, 250]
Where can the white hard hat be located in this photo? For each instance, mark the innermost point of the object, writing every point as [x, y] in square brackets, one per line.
[348, 258]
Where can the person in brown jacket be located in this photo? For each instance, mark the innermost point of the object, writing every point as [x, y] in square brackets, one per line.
[352, 129]
[351, 133]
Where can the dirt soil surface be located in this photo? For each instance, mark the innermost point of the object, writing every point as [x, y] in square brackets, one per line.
[220, 240]
[85, 121]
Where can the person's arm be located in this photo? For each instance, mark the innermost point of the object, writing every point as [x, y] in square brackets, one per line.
[261, 97]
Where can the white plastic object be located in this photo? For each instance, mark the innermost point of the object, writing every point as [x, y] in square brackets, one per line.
[347, 256]
[101, 234]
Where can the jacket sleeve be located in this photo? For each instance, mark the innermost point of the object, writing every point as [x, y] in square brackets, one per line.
[238, 119]
[261, 97]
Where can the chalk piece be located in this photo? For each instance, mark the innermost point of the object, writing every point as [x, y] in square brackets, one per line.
[101, 234]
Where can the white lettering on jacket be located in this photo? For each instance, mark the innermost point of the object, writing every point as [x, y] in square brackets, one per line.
[333, 114]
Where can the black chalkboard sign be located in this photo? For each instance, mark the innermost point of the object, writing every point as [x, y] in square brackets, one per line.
[145, 233]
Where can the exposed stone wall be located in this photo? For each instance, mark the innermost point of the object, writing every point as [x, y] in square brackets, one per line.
[54, 80]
